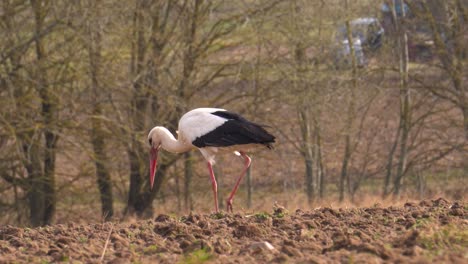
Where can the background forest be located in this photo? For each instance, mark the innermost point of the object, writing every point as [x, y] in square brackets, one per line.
[82, 82]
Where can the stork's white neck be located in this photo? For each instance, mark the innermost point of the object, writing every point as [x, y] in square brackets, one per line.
[161, 135]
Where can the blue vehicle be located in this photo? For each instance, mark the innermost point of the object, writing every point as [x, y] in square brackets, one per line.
[399, 7]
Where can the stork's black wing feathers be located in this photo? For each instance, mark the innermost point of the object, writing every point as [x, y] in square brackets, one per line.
[235, 131]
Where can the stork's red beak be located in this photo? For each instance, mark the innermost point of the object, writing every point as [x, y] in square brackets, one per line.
[153, 164]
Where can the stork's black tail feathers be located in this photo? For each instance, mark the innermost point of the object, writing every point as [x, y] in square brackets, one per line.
[235, 131]
[267, 139]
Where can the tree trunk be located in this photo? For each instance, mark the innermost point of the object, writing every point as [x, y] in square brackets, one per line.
[465, 117]
[304, 110]
[141, 96]
[350, 117]
[102, 173]
[344, 167]
[49, 114]
[319, 165]
[135, 181]
[420, 184]
[187, 70]
[97, 126]
[49, 175]
[465, 122]
[136, 191]
[309, 173]
[389, 166]
[402, 157]
[307, 153]
[35, 192]
[405, 103]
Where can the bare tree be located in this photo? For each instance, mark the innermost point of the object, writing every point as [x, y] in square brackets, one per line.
[447, 21]
[405, 101]
[351, 110]
[31, 73]
[144, 71]
[94, 28]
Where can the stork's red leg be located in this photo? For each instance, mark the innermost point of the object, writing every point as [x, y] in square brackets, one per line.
[247, 161]
[214, 185]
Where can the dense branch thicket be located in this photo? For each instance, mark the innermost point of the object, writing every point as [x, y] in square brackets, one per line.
[82, 83]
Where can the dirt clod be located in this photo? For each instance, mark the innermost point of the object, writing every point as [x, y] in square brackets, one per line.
[418, 232]
[247, 231]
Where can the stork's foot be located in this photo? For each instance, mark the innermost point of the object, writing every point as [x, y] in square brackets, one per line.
[229, 205]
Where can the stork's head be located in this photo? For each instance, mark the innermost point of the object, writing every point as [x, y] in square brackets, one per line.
[154, 141]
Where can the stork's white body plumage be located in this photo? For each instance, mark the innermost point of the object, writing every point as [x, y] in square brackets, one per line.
[199, 122]
[211, 130]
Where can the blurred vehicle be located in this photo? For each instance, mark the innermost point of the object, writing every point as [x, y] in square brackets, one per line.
[419, 33]
[399, 7]
[368, 29]
[343, 54]
[367, 34]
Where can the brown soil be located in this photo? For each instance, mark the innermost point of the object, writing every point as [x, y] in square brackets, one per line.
[429, 231]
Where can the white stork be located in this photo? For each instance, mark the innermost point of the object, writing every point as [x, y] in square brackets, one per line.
[210, 130]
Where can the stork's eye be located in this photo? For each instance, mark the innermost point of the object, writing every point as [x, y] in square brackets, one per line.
[150, 142]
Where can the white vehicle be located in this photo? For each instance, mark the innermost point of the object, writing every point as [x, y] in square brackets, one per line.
[367, 34]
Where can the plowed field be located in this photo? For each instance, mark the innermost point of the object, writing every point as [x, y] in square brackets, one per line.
[429, 231]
